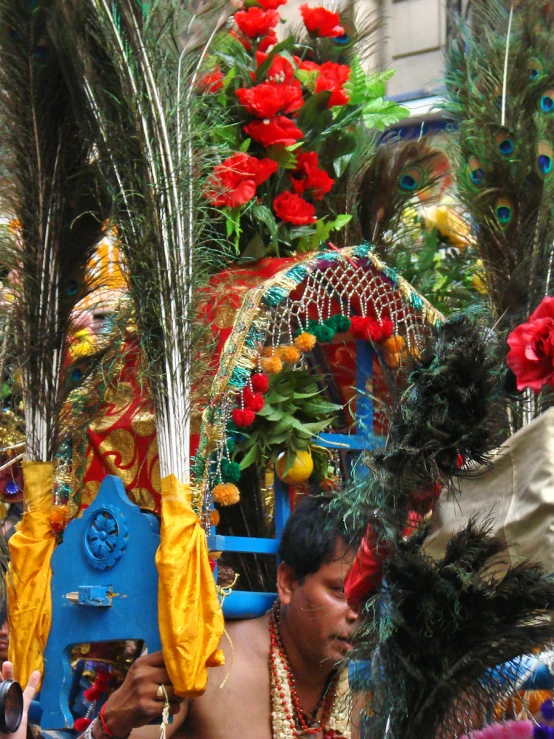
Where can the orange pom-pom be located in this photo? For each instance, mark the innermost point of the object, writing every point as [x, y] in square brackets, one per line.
[289, 354]
[58, 518]
[268, 351]
[272, 365]
[214, 517]
[305, 341]
[226, 493]
[392, 359]
[394, 344]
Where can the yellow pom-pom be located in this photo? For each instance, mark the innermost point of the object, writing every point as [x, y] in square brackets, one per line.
[395, 344]
[271, 365]
[226, 493]
[305, 342]
[289, 354]
[214, 518]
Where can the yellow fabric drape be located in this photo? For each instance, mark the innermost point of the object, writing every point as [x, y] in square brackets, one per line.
[189, 614]
[29, 574]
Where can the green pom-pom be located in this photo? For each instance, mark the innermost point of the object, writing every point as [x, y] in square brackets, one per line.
[231, 444]
[322, 332]
[232, 427]
[339, 323]
[230, 471]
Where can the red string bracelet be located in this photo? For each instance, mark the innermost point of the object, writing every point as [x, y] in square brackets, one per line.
[107, 733]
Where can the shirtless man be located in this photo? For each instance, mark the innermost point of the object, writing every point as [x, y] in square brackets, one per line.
[311, 631]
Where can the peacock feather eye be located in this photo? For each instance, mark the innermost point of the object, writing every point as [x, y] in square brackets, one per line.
[76, 374]
[11, 34]
[41, 54]
[343, 39]
[72, 288]
[504, 211]
[505, 143]
[546, 102]
[535, 69]
[476, 172]
[410, 180]
[544, 165]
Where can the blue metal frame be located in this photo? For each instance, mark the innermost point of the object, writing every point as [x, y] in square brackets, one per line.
[241, 604]
[104, 581]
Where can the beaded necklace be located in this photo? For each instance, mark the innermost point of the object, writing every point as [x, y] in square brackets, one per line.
[289, 720]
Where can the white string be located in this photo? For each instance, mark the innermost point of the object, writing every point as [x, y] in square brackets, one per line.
[165, 714]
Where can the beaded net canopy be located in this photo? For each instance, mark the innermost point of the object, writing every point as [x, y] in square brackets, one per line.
[351, 282]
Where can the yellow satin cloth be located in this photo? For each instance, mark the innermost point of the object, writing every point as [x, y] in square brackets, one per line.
[29, 574]
[189, 614]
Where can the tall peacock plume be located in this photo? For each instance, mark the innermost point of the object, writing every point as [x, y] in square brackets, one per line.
[500, 95]
[58, 207]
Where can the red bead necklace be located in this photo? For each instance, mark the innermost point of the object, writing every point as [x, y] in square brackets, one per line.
[306, 723]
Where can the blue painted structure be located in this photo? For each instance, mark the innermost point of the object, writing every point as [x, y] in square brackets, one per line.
[104, 585]
[242, 604]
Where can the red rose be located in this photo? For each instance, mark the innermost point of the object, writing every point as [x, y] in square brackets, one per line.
[271, 4]
[531, 355]
[293, 209]
[267, 99]
[212, 81]
[332, 76]
[305, 64]
[312, 177]
[272, 131]
[234, 181]
[256, 22]
[321, 21]
[280, 69]
[267, 41]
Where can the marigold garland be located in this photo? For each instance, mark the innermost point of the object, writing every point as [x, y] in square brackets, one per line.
[289, 354]
[305, 342]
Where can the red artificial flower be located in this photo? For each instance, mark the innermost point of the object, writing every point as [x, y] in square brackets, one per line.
[256, 22]
[277, 130]
[321, 21]
[531, 355]
[280, 69]
[312, 177]
[305, 64]
[293, 209]
[268, 99]
[211, 81]
[267, 41]
[239, 37]
[271, 4]
[260, 382]
[332, 76]
[234, 181]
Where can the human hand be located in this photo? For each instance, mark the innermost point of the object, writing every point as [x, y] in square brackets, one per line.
[28, 695]
[138, 700]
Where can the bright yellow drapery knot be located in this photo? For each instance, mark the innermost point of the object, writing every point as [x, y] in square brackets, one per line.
[29, 574]
[189, 614]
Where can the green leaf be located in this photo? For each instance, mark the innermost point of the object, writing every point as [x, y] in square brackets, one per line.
[357, 85]
[250, 458]
[341, 221]
[254, 251]
[376, 84]
[313, 109]
[262, 214]
[245, 145]
[381, 113]
[282, 156]
[307, 77]
[285, 45]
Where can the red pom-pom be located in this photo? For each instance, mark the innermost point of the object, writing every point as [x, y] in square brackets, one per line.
[260, 382]
[252, 401]
[359, 326]
[375, 331]
[81, 724]
[387, 329]
[243, 418]
[93, 693]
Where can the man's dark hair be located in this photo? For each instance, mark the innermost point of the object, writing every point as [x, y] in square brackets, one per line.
[310, 534]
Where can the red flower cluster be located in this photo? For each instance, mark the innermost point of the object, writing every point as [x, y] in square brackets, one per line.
[531, 355]
[256, 22]
[234, 181]
[280, 69]
[291, 208]
[271, 4]
[321, 22]
[277, 130]
[269, 99]
[332, 76]
[311, 176]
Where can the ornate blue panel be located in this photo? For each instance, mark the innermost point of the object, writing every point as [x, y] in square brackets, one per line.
[104, 587]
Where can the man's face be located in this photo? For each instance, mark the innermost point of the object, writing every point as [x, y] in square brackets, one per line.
[318, 618]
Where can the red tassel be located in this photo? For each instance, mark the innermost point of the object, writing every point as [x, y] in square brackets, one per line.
[260, 382]
[387, 329]
[81, 724]
[93, 693]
